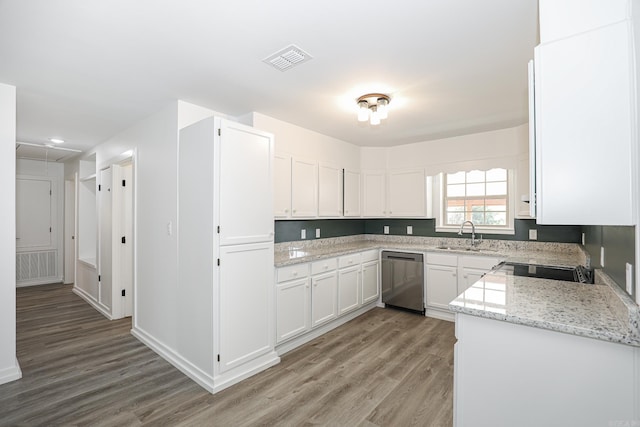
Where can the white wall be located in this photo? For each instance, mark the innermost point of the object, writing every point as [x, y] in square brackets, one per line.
[307, 144]
[9, 368]
[54, 171]
[508, 148]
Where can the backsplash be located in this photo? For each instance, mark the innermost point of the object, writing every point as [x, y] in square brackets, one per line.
[287, 231]
[619, 248]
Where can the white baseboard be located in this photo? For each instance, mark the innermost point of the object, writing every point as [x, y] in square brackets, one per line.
[438, 314]
[203, 379]
[92, 302]
[45, 281]
[244, 371]
[293, 343]
[11, 373]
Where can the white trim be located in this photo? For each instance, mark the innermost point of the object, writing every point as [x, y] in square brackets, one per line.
[439, 314]
[88, 298]
[45, 281]
[11, 373]
[183, 365]
[479, 230]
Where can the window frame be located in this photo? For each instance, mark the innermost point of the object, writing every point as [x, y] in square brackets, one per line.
[509, 228]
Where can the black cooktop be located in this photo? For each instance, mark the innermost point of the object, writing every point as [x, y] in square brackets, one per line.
[548, 272]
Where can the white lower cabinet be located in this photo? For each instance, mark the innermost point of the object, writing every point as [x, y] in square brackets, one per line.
[370, 281]
[293, 302]
[318, 294]
[323, 298]
[442, 285]
[348, 289]
[449, 275]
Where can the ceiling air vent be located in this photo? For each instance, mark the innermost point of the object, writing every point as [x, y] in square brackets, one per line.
[287, 58]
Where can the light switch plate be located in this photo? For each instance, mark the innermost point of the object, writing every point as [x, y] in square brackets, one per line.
[409, 229]
[317, 233]
[533, 234]
[629, 278]
[303, 234]
[583, 239]
[602, 256]
[386, 229]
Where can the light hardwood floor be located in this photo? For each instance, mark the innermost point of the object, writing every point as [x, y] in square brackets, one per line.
[385, 368]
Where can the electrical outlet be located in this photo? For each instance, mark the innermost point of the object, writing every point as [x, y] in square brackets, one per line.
[303, 234]
[583, 239]
[533, 234]
[386, 229]
[602, 256]
[629, 278]
[317, 233]
[409, 229]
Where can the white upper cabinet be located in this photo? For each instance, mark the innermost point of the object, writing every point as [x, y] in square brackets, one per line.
[585, 97]
[282, 185]
[304, 187]
[329, 190]
[374, 193]
[406, 196]
[564, 18]
[246, 181]
[351, 193]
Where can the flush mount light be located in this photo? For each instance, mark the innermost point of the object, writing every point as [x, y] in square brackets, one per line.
[56, 140]
[373, 107]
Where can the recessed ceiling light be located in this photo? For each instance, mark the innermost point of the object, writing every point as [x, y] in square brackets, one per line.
[56, 140]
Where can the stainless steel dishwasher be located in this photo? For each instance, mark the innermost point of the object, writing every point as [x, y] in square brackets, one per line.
[403, 280]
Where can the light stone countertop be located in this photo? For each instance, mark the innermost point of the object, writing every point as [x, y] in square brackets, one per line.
[573, 308]
[539, 253]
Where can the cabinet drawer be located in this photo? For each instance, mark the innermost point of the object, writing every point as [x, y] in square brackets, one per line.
[442, 259]
[349, 260]
[479, 262]
[291, 272]
[324, 265]
[372, 255]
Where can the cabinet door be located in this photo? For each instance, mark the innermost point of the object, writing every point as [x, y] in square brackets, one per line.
[323, 298]
[370, 281]
[374, 193]
[282, 185]
[351, 193]
[304, 185]
[329, 190]
[406, 196]
[442, 285]
[246, 295]
[584, 94]
[292, 309]
[469, 277]
[246, 185]
[348, 289]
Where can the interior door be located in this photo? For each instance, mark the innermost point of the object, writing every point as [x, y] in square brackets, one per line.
[69, 231]
[33, 213]
[105, 239]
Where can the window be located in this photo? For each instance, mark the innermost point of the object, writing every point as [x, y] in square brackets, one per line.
[478, 196]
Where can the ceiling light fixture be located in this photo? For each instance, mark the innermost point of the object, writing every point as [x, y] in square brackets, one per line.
[373, 107]
[56, 140]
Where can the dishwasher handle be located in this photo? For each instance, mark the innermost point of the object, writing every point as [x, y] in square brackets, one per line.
[404, 256]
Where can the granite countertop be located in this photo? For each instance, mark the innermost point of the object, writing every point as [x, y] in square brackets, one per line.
[593, 311]
[522, 252]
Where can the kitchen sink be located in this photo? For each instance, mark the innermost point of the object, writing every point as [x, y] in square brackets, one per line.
[463, 248]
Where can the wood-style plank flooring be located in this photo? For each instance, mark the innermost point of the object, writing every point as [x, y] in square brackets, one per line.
[385, 368]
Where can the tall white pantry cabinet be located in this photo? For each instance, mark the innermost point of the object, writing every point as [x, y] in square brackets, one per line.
[225, 250]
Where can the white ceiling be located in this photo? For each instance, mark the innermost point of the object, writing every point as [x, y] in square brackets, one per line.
[87, 69]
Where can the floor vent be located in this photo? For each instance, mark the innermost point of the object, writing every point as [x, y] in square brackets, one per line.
[35, 265]
[287, 58]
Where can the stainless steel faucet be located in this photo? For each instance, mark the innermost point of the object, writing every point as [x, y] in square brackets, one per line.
[473, 232]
